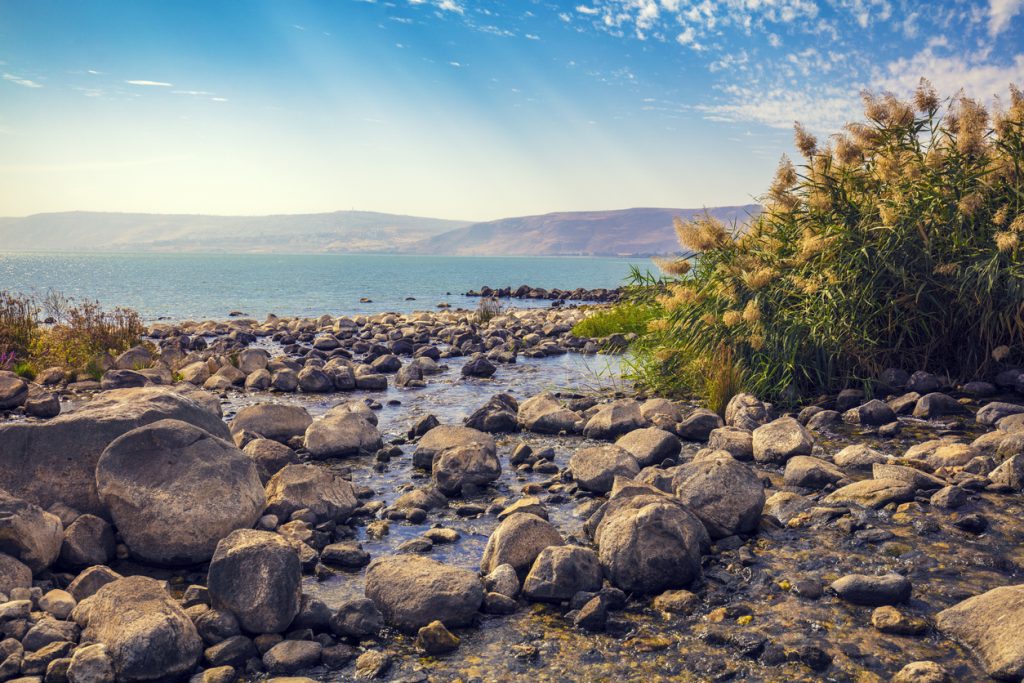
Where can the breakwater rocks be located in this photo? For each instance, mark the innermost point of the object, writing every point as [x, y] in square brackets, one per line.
[580, 294]
[495, 528]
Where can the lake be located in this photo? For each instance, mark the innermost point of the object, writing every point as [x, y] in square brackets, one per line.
[204, 286]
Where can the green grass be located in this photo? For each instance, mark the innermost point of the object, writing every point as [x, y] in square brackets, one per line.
[621, 318]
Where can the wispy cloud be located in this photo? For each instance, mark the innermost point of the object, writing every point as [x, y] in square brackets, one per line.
[451, 6]
[1000, 12]
[156, 84]
[18, 80]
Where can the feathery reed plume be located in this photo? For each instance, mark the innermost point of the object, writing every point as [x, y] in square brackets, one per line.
[805, 142]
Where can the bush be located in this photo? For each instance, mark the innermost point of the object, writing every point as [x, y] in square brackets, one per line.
[621, 318]
[898, 244]
[487, 310]
[18, 325]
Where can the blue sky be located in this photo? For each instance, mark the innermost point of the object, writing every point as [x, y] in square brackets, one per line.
[453, 108]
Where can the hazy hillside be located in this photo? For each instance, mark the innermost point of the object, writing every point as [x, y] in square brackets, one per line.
[588, 233]
[341, 231]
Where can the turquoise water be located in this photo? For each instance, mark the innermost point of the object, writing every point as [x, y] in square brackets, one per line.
[190, 286]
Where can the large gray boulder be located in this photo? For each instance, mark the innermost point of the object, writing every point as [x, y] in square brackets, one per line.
[412, 591]
[147, 635]
[517, 541]
[650, 445]
[594, 469]
[614, 419]
[561, 571]
[471, 466]
[745, 411]
[55, 461]
[173, 491]
[341, 434]
[256, 575]
[990, 626]
[28, 533]
[781, 439]
[649, 543]
[310, 487]
[726, 495]
[809, 472]
[543, 414]
[278, 421]
[443, 437]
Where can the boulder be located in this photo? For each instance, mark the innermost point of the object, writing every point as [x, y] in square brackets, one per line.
[561, 571]
[724, 494]
[357, 618]
[745, 411]
[614, 419]
[91, 664]
[276, 421]
[411, 591]
[13, 391]
[517, 541]
[811, 473]
[313, 380]
[471, 466]
[55, 461]
[785, 505]
[256, 576]
[13, 574]
[873, 493]
[122, 379]
[174, 491]
[88, 541]
[338, 435]
[497, 416]
[310, 487]
[859, 456]
[594, 469]
[258, 380]
[444, 437]
[146, 634]
[91, 580]
[862, 589]
[736, 441]
[650, 446]
[290, 656]
[270, 457]
[875, 413]
[698, 425]
[781, 439]
[989, 626]
[543, 414]
[478, 366]
[649, 543]
[252, 360]
[937, 404]
[661, 412]
[28, 533]
[993, 412]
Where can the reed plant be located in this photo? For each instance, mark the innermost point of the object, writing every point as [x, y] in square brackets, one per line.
[899, 242]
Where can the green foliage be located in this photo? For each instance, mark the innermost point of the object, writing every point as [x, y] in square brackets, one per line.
[25, 369]
[621, 318]
[898, 245]
[18, 323]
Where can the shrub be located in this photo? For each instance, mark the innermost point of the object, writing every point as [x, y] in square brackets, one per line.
[487, 310]
[621, 318]
[18, 324]
[897, 244]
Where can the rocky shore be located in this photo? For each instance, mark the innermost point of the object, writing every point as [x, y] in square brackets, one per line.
[580, 294]
[432, 497]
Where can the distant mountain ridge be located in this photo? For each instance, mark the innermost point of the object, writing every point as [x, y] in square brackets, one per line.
[626, 232]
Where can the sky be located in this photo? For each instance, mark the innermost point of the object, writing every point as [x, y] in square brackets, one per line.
[464, 109]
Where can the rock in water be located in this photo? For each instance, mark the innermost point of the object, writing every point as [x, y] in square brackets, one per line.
[256, 576]
[561, 571]
[443, 437]
[146, 634]
[29, 533]
[340, 434]
[990, 626]
[778, 441]
[594, 469]
[724, 493]
[650, 446]
[517, 541]
[861, 589]
[614, 419]
[543, 414]
[309, 487]
[174, 491]
[435, 639]
[276, 421]
[464, 466]
[55, 461]
[412, 591]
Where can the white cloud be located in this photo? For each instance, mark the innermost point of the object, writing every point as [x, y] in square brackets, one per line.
[18, 80]
[1000, 13]
[583, 9]
[455, 64]
[531, 36]
[974, 73]
[155, 84]
[451, 6]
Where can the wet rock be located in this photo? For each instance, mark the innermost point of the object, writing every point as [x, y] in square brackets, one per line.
[43, 406]
[503, 580]
[823, 420]
[812, 473]
[941, 453]
[561, 571]
[256, 576]
[921, 481]
[55, 461]
[290, 656]
[593, 616]
[993, 412]
[875, 413]
[923, 382]
[949, 497]
[873, 493]
[258, 380]
[517, 541]
[357, 619]
[310, 487]
[88, 541]
[594, 469]
[435, 639]
[888, 619]
[745, 411]
[412, 591]
[478, 366]
[233, 651]
[698, 425]
[497, 416]
[921, 672]
[372, 664]
[650, 446]
[531, 504]
[313, 380]
[13, 391]
[937, 404]
[989, 625]
[726, 495]
[784, 506]
[737, 442]
[340, 434]
[349, 555]
[214, 625]
[28, 533]
[614, 419]
[862, 589]
[410, 377]
[543, 414]
[650, 543]
[445, 437]
[174, 491]
[778, 441]
[278, 421]
[461, 467]
[145, 632]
